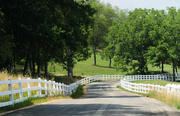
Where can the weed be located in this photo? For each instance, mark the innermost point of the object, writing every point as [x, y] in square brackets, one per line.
[79, 92]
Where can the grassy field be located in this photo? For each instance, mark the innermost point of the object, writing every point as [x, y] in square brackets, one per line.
[86, 68]
[156, 82]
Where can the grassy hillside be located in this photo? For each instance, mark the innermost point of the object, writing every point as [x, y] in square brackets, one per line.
[86, 68]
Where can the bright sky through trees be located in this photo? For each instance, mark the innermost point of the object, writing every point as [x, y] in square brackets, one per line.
[132, 4]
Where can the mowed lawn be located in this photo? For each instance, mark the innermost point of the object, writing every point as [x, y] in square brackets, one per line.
[87, 68]
[156, 82]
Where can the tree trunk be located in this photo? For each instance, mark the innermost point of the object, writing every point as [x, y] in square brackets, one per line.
[14, 61]
[70, 64]
[27, 60]
[109, 62]
[142, 66]
[46, 68]
[94, 51]
[173, 71]
[26, 65]
[30, 64]
[94, 58]
[38, 70]
[70, 72]
[38, 64]
[162, 66]
[33, 65]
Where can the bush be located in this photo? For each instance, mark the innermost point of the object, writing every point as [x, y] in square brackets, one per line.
[79, 92]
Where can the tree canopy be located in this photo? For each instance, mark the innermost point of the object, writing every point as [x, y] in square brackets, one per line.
[40, 30]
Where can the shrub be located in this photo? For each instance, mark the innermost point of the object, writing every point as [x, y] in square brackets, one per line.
[79, 92]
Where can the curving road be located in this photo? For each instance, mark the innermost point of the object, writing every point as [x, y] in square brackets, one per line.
[103, 98]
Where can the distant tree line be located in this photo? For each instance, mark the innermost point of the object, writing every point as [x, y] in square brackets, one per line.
[146, 36]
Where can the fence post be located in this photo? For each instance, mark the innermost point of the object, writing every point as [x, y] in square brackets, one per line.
[54, 87]
[50, 90]
[20, 87]
[29, 87]
[45, 85]
[39, 84]
[63, 88]
[57, 89]
[11, 89]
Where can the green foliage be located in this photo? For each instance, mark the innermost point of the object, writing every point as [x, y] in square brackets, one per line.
[16, 106]
[103, 19]
[146, 36]
[42, 30]
[79, 92]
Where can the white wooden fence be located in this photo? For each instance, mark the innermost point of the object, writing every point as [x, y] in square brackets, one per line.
[51, 88]
[46, 88]
[101, 78]
[170, 76]
[146, 88]
[145, 77]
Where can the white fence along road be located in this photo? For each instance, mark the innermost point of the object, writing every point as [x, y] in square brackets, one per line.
[45, 87]
[145, 88]
[51, 88]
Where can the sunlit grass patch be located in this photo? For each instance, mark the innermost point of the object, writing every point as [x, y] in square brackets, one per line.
[171, 99]
[155, 82]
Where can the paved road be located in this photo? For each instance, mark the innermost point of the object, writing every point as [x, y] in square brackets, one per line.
[103, 98]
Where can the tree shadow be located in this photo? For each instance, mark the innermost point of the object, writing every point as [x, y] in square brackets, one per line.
[67, 80]
[71, 109]
[146, 73]
[105, 67]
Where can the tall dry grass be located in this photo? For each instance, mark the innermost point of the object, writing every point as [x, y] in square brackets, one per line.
[4, 75]
[171, 99]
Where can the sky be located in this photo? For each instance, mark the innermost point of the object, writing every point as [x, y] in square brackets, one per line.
[148, 4]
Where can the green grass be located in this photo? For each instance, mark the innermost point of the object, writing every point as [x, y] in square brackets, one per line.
[120, 87]
[156, 82]
[87, 68]
[79, 92]
[31, 101]
[169, 99]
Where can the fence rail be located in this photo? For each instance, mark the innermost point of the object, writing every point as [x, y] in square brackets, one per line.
[45, 88]
[101, 78]
[146, 88]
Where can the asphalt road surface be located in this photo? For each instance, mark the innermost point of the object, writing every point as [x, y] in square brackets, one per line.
[103, 98]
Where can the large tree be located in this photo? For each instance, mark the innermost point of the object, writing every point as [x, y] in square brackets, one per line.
[172, 31]
[45, 29]
[103, 19]
[158, 52]
[134, 41]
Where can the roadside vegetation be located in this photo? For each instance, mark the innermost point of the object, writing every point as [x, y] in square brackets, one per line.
[32, 101]
[169, 99]
[155, 82]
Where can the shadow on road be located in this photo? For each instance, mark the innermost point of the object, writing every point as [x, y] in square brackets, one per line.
[82, 109]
